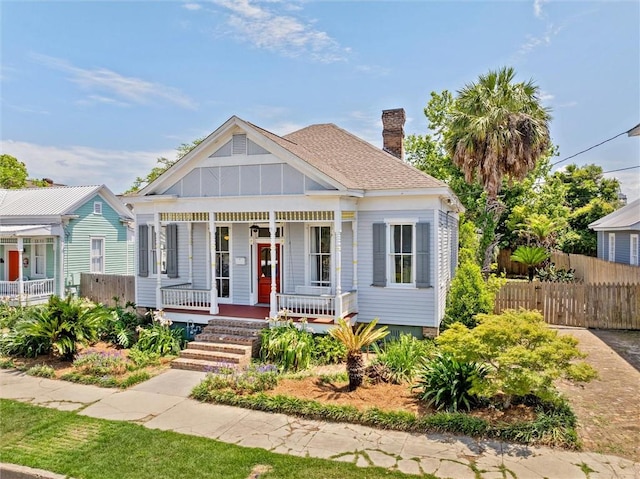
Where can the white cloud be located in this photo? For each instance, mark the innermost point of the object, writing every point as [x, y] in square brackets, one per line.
[81, 165]
[532, 42]
[129, 89]
[537, 8]
[546, 96]
[192, 6]
[283, 34]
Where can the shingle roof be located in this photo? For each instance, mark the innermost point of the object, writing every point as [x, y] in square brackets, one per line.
[627, 217]
[49, 201]
[351, 160]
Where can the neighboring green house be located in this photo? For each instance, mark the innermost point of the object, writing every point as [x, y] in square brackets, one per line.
[48, 236]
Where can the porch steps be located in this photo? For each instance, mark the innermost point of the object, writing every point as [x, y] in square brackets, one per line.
[223, 342]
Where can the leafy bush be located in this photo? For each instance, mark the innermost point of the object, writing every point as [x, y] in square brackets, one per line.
[100, 363]
[159, 337]
[468, 296]
[525, 355]
[403, 356]
[328, 350]
[141, 359]
[20, 340]
[530, 256]
[41, 371]
[256, 378]
[287, 345]
[446, 383]
[120, 327]
[10, 315]
[551, 274]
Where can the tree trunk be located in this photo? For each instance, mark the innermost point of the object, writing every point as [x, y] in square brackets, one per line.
[355, 370]
[493, 210]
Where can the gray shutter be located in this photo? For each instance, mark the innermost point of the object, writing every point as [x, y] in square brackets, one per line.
[143, 250]
[172, 250]
[423, 278]
[379, 254]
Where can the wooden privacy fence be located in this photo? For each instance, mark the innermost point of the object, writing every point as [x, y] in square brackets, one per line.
[101, 288]
[587, 268]
[602, 306]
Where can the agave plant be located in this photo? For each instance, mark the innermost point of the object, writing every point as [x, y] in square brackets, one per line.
[530, 256]
[354, 341]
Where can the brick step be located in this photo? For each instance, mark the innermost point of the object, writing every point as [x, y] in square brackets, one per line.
[206, 337]
[220, 347]
[198, 365]
[215, 356]
[238, 323]
[231, 331]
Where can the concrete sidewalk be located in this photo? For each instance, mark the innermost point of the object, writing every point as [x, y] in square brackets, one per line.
[163, 403]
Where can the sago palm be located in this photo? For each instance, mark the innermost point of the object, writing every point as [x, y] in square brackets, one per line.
[363, 336]
[530, 256]
[497, 128]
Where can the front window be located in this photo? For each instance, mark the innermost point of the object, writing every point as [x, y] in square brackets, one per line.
[39, 260]
[401, 253]
[97, 255]
[320, 256]
[222, 261]
[633, 256]
[612, 247]
[163, 249]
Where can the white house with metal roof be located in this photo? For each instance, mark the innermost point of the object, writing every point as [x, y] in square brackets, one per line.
[48, 236]
[318, 222]
[618, 234]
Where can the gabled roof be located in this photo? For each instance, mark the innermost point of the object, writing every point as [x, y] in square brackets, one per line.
[333, 152]
[625, 218]
[54, 201]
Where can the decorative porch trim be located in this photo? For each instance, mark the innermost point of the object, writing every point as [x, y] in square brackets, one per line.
[178, 217]
[348, 215]
[8, 240]
[304, 216]
[243, 217]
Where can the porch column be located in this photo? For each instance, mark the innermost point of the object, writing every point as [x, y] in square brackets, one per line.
[354, 230]
[273, 300]
[190, 246]
[55, 261]
[213, 308]
[338, 245]
[157, 239]
[20, 280]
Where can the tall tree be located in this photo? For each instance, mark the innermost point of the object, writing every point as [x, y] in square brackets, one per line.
[496, 128]
[13, 172]
[162, 165]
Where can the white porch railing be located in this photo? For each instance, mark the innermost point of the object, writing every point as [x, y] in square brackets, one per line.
[33, 291]
[318, 306]
[185, 297]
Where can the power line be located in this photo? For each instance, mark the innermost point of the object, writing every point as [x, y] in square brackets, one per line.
[621, 169]
[590, 148]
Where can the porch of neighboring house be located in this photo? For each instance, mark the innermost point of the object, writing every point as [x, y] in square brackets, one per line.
[28, 270]
[245, 244]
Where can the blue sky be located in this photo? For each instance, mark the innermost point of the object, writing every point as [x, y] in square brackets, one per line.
[93, 92]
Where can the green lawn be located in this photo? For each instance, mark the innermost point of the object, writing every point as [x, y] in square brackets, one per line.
[85, 448]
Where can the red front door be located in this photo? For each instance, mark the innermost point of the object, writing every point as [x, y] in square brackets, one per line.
[14, 265]
[264, 272]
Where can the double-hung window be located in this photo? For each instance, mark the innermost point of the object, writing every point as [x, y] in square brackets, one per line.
[320, 256]
[163, 249]
[401, 253]
[612, 247]
[633, 253]
[39, 260]
[223, 255]
[97, 255]
[150, 258]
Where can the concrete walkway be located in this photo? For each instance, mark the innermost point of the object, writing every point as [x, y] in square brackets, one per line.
[162, 403]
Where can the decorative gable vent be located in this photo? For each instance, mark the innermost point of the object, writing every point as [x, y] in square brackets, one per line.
[239, 145]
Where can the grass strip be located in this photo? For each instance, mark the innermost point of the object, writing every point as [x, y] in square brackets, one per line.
[87, 448]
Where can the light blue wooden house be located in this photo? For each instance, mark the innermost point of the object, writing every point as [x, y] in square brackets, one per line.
[618, 234]
[317, 223]
[48, 236]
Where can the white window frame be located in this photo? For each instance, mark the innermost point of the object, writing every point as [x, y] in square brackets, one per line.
[225, 299]
[35, 247]
[391, 276]
[308, 253]
[97, 207]
[152, 250]
[633, 250]
[92, 256]
[611, 252]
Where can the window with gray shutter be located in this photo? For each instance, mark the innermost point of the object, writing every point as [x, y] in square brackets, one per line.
[379, 254]
[423, 277]
[172, 250]
[143, 250]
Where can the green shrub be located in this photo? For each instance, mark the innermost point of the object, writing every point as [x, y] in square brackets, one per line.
[551, 274]
[257, 378]
[20, 341]
[120, 328]
[468, 296]
[141, 359]
[10, 315]
[100, 363]
[403, 356]
[41, 371]
[287, 346]
[525, 355]
[446, 383]
[328, 350]
[159, 337]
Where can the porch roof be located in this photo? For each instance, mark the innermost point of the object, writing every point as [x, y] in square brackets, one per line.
[19, 231]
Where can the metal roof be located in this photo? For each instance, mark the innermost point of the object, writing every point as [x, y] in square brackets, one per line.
[626, 218]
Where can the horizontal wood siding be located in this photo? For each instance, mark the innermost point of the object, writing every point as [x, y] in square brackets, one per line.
[401, 306]
[78, 246]
[294, 260]
[347, 257]
[201, 263]
[240, 273]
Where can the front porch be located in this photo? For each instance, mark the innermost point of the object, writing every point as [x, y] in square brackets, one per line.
[26, 293]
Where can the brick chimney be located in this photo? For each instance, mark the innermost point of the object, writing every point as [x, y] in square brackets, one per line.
[393, 131]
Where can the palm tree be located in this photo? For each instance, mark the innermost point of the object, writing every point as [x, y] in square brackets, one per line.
[541, 229]
[497, 129]
[530, 256]
[363, 336]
